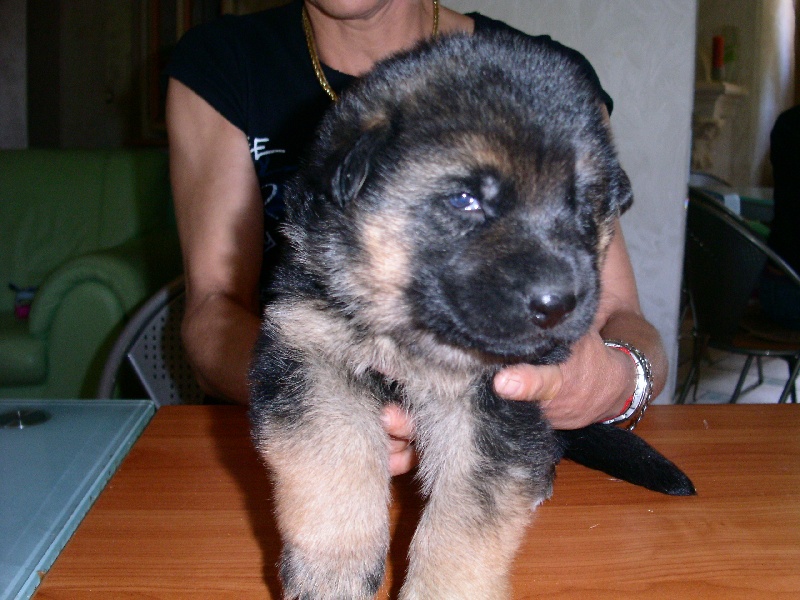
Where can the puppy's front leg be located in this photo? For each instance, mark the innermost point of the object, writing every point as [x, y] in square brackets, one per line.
[322, 440]
[486, 464]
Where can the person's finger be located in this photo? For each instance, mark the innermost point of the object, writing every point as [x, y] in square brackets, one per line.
[397, 445]
[528, 382]
[402, 462]
[400, 427]
[397, 422]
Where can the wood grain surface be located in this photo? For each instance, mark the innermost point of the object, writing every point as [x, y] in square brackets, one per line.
[188, 515]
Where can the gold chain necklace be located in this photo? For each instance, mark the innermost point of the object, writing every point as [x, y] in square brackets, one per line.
[312, 48]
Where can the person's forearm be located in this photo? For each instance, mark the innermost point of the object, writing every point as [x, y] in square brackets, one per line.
[219, 336]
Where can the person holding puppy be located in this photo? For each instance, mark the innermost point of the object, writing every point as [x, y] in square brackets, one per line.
[244, 98]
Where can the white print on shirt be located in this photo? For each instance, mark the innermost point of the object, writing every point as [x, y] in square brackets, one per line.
[269, 193]
[258, 148]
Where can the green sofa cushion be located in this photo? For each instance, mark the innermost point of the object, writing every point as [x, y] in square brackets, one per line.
[23, 357]
[60, 204]
[94, 230]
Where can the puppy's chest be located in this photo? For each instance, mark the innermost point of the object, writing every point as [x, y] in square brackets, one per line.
[390, 369]
[414, 382]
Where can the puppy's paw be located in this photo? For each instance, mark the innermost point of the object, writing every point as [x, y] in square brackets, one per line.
[330, 578]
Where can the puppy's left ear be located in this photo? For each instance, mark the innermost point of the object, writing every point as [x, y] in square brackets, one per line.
[354, 168]
[620, 189]
[619, 186]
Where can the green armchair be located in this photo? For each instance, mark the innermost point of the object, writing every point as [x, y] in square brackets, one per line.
[93, 231]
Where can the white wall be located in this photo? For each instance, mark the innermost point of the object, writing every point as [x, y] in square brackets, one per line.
[644, 55]
[13, 78]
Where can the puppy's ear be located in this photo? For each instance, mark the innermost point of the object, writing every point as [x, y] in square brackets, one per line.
[620, 189]
[619, 186]
[355, 166]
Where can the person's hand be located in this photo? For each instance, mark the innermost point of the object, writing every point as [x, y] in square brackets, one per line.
[591, 386]
[400, 427]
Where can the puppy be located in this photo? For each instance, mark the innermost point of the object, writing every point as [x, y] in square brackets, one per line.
[452, 219]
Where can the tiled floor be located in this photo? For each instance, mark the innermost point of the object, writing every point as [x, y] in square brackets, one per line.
[719, 374]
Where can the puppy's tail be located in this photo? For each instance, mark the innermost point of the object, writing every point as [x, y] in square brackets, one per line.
[625, 456]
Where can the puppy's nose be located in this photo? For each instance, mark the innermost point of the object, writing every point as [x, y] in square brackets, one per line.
[549, 309]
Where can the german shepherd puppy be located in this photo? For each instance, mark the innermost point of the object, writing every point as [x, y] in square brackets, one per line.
[452, 219]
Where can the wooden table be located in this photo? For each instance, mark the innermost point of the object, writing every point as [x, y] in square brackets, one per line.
[188, 516]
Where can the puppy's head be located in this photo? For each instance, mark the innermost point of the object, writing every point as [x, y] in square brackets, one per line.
[465, 192]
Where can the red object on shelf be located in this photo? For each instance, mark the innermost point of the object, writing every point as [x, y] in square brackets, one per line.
[718, 52]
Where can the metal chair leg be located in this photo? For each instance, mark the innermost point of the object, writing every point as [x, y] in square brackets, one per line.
[742, 376]
[693, 377]
[691, 380]
[789, 388]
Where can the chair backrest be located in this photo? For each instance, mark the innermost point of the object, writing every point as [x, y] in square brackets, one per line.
[723, 264]
[702, 179]
[724, 261]
[151, 344]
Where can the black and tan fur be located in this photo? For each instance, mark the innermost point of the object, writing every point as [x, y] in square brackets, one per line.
[452, 219]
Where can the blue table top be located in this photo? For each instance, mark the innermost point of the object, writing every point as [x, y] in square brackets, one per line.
[50, 475]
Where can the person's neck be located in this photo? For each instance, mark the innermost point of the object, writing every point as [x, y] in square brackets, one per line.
[352, 44]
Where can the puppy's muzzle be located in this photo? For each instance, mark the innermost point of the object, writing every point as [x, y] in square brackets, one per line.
[548, 285]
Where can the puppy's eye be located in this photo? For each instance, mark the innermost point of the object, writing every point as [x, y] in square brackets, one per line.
[466, 202]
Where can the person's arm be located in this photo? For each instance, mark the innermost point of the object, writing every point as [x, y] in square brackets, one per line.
[595, 382]
[220, 222]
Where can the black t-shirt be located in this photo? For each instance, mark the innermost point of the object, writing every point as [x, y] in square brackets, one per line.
[255, 70]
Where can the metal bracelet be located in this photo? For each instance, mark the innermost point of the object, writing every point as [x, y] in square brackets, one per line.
[642, 394]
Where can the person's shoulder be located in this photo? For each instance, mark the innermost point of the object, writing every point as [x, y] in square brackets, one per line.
[789, 119]
[261, 25]
[488, 24]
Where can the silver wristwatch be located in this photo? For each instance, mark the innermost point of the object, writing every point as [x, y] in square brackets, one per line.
[643, 392]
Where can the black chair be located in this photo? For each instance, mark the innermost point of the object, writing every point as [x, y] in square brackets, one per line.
[701, 179]
[150, 345]
[723, 264]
